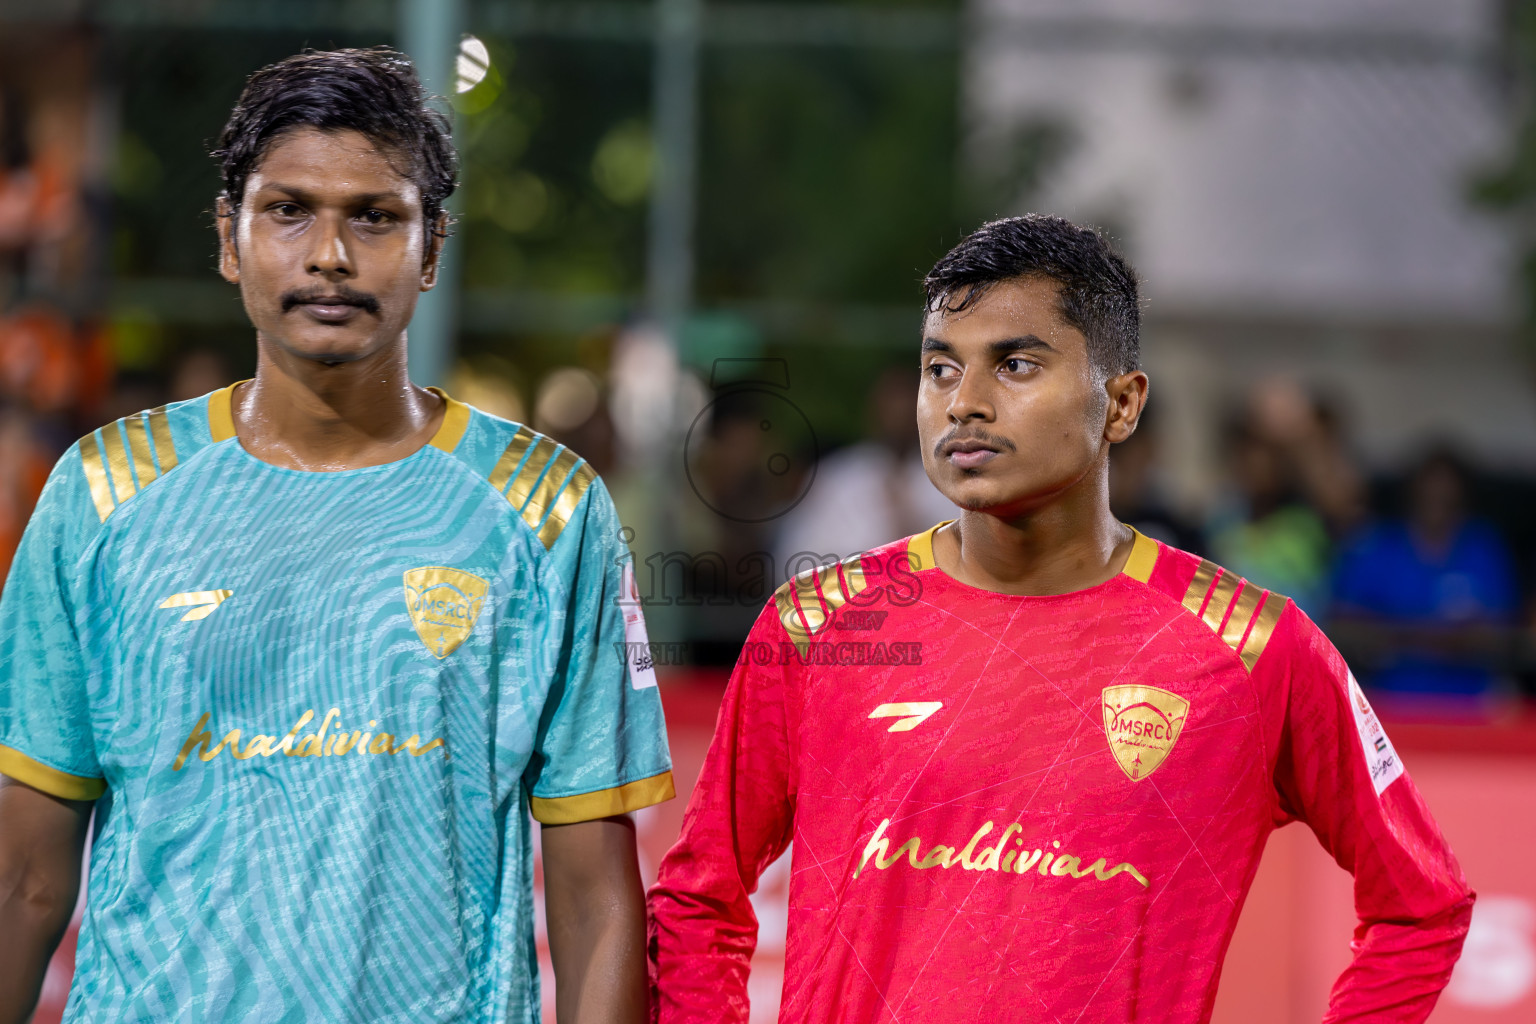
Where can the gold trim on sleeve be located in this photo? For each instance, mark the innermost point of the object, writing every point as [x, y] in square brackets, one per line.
[1263, 627]
[1143, 557]
[165, 444]
[605, 803]
[455, 422]
[221, 416]
[96, 475]
[1194, 597]
[49, 780]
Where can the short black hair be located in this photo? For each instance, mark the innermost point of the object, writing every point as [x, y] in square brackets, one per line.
[374, 92]
[1098, 287]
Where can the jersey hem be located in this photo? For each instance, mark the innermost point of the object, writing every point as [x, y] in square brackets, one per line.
[39, 776]
[604, 803]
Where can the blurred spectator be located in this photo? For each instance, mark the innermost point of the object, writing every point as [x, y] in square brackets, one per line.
[871, 492]
[1136, 492]
[1268, 533]
[24, 466]
[1426, 602]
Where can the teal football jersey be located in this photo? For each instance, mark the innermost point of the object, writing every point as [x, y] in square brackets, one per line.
[316, 711]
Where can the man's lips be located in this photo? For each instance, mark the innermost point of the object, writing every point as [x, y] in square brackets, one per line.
[330, 310]
[969, 454]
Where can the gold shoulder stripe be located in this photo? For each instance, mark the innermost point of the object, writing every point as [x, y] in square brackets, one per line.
[1143, 558]
[1194, 597]
[511, 458]
[95, 468]
[1220, 601]
[221, 416]
[23, 769]
[1263, 627]
[114, 470]
[165, 445]
[113, 450]
[565, 504]
[455, 421]
[605, 803]
[790, 617]
[1242, 630]
[1242, 614]
[543, 481]
[809, 602]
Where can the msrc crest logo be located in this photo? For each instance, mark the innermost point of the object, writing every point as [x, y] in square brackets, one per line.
[1142, 723]
[444, 604]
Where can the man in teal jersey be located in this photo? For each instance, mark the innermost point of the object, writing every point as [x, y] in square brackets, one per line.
[313, 646]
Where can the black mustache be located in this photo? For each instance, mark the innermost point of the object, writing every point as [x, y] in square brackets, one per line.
[1000, 443]
[348, 297]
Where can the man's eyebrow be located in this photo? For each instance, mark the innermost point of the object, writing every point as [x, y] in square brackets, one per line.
[1027, 342]
[996, 348]
[359, 199]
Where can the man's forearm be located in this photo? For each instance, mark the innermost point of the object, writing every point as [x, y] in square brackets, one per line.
[40, 846]
[1399, 968]
[596, 914]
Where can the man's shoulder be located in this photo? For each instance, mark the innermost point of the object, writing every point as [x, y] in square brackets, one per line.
[543, 481]
[808, 602]
[1242, 614]
[120, 461]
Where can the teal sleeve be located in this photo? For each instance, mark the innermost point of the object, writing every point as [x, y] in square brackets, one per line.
[601, 745]
[45, 731]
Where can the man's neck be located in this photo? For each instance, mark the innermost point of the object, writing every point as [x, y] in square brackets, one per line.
[302, 414]
[1070, 544]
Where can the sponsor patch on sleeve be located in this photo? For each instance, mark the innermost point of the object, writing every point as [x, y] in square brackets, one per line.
[637, 643]
[1380, 759]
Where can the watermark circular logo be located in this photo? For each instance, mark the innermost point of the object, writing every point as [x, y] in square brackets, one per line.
[751, 454]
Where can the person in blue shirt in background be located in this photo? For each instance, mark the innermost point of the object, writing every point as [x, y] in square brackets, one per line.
[1429, 599]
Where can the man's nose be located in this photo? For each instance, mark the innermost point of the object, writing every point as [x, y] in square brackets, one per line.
[329, 254]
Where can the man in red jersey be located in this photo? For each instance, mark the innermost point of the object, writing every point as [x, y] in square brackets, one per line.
[1028, 760]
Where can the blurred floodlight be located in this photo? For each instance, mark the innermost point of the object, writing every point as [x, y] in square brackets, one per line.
[568, 398]
[473, 65]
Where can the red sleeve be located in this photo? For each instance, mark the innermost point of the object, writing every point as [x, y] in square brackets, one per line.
[739, 820]
[1337, 771]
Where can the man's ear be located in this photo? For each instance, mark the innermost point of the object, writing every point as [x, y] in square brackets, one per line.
[434, 254]
[1127, 397]
[225, 217]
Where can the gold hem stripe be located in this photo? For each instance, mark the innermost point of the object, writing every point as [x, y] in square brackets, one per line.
[455, 422]
[165, 444]
[1263, 626]
[1143, 558]
[221, 416]
[143, 460]
[1194, 597]
[1221, 601]
[116, 455]
[23, 769]
[1242, 614]
[96, 475]
[605, 803]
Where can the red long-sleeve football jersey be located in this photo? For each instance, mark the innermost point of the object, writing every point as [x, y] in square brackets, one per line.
[1038, 808]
